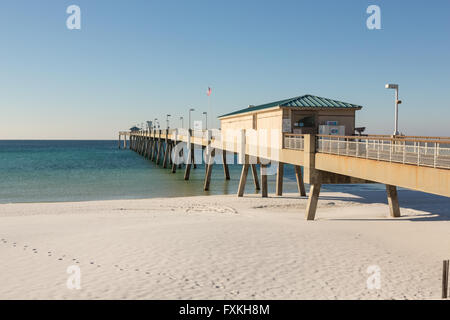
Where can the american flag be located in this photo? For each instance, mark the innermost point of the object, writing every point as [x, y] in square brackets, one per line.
[208, 92]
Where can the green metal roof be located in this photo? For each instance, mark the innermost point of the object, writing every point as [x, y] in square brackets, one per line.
[305, 101]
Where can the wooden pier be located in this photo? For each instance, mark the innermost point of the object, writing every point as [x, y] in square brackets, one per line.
[417, 163]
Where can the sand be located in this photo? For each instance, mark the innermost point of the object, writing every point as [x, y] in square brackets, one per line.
[222, 247]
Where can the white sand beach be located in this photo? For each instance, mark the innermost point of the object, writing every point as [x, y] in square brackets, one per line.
[223, 247]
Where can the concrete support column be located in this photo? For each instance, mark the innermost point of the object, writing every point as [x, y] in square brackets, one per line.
[280, 175]
[209, 167]
[243, 179]
[313, 198]
[166, 150]
[311, 175]
[394, 208]
[255, 177]
[226, 172]
[264, 191]
[300, 183]
[190, 156]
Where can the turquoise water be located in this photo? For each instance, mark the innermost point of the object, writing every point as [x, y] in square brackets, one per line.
[48, 171]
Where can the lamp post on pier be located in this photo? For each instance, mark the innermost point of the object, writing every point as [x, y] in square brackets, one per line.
[206, 120]
[190, 110]
[397, 102]
[167, 120]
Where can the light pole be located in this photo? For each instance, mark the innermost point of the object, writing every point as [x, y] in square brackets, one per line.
[190, 110]
[397, 102]
[182, 122]
[167, 120]
[206, 119]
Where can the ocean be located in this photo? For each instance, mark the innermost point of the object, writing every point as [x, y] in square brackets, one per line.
[57, 170]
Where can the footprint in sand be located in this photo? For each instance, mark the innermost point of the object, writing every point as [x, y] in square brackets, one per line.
[210, 209]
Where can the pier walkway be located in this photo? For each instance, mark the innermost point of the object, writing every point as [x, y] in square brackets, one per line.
[417, 163]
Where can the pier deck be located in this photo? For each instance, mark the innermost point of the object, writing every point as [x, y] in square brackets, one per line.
[417, 163]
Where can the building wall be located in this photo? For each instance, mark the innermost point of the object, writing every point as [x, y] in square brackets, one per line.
[258, 120]
[264, 120]
[239, 122]
[273, 120]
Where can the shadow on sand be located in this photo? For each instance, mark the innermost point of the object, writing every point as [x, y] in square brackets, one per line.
[437, 207]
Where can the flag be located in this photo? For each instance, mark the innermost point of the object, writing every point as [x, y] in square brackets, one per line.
[208, 92]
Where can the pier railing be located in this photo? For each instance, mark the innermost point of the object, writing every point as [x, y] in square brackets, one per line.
[294, 141]
[406, 150]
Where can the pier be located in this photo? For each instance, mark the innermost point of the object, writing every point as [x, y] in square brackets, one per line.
[417, 163]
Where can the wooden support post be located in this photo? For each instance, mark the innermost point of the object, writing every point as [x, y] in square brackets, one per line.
[138, 143]
[313, 198]
[154, 145]
[124, 141]
[190, 157]
[392, 195]
[169, 152]
[280, 175]
[174, 164]
[243, 179]
[255, 177]
[180, 165]
[149, 148]
[226, 172]
[264, 191]
[187, 171]
[209, 167]
[144, 144]
[141, 144]
[166, 150]
[445, 279]
[158, 152]
[119, 141]
[300, 183]
[176, 156]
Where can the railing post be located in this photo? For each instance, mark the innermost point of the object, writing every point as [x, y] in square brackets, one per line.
[435, 154]
[378, 150]
[404, 152]
[329, 143]
[339, 145]
[357, 147]
[418, 154]
[390, 152]
[367, 148]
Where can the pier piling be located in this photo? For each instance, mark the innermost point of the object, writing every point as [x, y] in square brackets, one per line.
[255, 177]
[280, 174]
[392, 196]
[300, 183]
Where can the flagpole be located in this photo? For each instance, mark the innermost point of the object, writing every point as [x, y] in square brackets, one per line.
[209, 109]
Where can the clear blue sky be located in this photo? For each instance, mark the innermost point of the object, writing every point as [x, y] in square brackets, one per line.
[137, 60]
